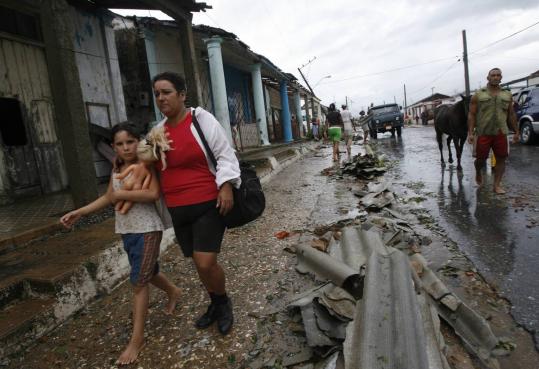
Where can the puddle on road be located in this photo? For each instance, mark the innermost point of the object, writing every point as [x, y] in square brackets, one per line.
[499, 233]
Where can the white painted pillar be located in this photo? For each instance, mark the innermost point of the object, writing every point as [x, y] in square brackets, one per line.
[299, 115]
[218, 86]
[260, 109]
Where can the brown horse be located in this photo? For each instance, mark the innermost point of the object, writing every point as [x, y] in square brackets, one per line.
[453, 121]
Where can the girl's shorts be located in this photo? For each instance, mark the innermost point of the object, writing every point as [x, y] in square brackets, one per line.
[198, 227]
[334, 134]
[142, 251]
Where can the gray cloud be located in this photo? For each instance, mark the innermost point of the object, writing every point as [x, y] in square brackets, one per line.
[352, 38]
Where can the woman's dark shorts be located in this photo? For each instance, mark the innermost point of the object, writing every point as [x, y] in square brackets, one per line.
[198, 227]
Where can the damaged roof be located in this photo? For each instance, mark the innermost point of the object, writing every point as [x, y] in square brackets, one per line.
[163, 5]
[269, 69]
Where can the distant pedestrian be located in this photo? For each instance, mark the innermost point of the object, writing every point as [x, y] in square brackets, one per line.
[141, 229]
[416, 119]
[315, 124]
[348, 129]
[491, 108]
[336, 126]
[424, 117]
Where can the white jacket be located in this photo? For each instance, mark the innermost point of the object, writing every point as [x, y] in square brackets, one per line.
[228, 167]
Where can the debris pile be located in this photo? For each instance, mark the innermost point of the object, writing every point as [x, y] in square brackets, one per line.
[366, 166]
[378, 303]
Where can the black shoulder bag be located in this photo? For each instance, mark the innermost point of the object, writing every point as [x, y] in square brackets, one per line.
[249, 200]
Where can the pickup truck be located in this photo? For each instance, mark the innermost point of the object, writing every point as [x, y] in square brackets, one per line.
[385, 118]
[527, 111]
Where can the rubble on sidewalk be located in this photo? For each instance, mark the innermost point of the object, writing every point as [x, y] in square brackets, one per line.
[366, 166]
[379, 303]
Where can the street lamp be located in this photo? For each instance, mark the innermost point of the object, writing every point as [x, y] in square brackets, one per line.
[320, 80]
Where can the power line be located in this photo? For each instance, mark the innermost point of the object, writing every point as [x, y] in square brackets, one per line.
[505, 38]
[390, 70]
[213, 20]
[435, 79]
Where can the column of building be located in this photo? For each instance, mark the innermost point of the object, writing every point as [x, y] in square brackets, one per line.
[218, 85]
[260, 109]
[58, 34]
[285, 115]
[299, 115]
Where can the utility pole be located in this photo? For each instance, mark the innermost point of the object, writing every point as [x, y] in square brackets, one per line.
[346, 99]
[305, 79]
[465, 59]
[405, 101]
[302, 76]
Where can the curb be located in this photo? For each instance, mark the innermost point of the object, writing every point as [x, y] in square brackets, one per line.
[29, 235]
[98, 275]
[269, 167]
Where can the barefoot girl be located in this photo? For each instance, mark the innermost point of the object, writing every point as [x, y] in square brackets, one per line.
[141, 229]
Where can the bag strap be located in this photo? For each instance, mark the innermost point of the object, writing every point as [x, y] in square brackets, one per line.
[203, 139]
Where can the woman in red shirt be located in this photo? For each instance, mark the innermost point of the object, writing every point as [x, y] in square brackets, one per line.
[198, 195]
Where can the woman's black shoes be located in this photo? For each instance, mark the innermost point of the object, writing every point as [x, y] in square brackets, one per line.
[207, 318]
[222, 313]
[225, 317]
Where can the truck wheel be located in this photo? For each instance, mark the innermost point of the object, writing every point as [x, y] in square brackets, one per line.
[392, 132]
[526, 133]
[399, 131]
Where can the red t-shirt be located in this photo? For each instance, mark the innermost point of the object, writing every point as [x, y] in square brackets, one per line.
[187, 179]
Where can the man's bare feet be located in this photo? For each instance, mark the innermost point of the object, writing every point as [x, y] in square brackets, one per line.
[173, 300]
[130, 354]
[498, 190]
[479, 179]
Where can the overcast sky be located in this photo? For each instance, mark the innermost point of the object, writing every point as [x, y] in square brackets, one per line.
[371, 49]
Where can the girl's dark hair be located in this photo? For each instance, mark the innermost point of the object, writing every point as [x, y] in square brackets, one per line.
[129, 127]
[174, 78]
[132, 130]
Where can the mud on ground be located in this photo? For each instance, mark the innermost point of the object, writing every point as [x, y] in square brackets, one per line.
[260, 279]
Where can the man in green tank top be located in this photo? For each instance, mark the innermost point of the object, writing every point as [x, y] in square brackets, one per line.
[491, 110]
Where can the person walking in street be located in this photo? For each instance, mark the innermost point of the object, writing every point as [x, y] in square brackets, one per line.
[335, 128]
[141, 229]
[364, 122]
[491, 108]
[197, 194]
[348, 129]
[424, 117]
[315, 124]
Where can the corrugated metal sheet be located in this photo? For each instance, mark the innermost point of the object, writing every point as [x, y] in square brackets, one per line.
[326, 267]
[470, 326]
[387, 331]
[393, 326]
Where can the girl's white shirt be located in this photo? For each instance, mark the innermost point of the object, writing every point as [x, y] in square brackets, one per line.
[143, 217]
[228, 167]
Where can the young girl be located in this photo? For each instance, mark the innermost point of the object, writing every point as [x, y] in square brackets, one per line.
[141, 229]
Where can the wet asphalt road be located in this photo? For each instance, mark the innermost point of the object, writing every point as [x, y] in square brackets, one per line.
[496, 232]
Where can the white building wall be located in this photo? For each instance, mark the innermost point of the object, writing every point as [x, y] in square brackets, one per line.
[533, 81]
[99, 73]
[168, 53]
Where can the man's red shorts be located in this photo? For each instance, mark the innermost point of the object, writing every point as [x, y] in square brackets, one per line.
[497, 143]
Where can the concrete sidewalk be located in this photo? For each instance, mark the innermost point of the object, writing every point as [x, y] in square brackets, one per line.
[48, 273]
